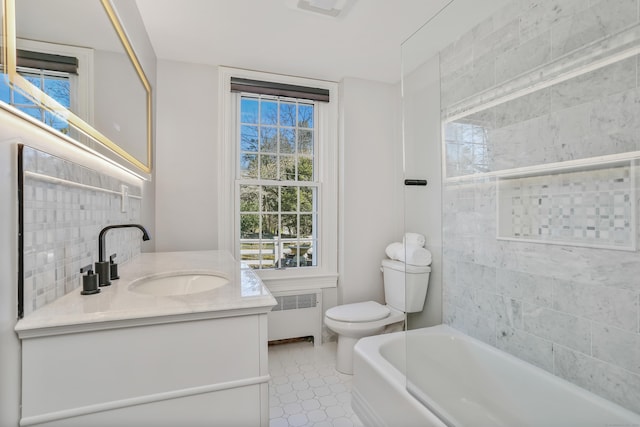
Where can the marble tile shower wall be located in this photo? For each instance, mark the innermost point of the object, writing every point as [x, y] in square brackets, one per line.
[573, 311]
[62, 221]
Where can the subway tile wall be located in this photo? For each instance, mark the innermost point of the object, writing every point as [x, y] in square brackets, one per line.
[573, 311]
[65, 206]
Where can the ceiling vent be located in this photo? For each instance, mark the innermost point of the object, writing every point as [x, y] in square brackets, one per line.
[332, 8]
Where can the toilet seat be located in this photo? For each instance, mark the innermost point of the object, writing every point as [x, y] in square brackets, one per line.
[367, 311]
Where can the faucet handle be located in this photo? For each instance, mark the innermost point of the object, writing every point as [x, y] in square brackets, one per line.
[89, 281]
[113, 268]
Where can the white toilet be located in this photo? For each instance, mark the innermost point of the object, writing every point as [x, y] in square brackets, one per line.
[354, 321]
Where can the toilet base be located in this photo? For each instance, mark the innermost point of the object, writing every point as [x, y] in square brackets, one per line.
[350, 332]
[344, 353]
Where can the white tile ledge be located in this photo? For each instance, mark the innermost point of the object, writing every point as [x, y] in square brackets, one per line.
[590, 163]
[118, 307]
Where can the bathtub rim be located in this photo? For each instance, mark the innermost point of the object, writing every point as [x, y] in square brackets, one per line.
[369, 350]
[367, 354]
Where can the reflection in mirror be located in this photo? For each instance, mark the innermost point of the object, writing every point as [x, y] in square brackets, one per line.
[4, 79]
[57, 75]
[76, 71]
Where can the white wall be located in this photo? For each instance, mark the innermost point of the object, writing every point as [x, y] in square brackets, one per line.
[186, 150]
[371, 186]
[423, 205]
[371, 195]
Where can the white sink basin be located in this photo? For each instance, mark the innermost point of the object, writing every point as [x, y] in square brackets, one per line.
[178, 284]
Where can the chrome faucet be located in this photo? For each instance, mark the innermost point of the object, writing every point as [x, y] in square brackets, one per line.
[103, 268]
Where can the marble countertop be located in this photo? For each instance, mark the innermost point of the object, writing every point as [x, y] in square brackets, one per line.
[116, 306]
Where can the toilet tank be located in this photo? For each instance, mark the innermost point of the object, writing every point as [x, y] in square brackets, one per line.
[405, 286]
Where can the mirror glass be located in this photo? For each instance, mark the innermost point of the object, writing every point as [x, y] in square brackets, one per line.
[76, 71]
[4, 79]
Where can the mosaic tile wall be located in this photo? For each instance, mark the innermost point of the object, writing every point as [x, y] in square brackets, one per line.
[62, 220]
[574, 311]
[585, 208]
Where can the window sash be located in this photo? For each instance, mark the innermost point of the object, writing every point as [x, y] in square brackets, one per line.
[270, 251]
[297, 154]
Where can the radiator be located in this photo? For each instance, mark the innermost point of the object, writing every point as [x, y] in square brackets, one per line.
[297, 314]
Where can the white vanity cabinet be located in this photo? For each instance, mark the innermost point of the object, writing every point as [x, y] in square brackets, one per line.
[199, 367]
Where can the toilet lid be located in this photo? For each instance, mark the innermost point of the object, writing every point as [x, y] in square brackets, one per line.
[359, 312]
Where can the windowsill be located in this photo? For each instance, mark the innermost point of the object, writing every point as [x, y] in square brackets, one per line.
[276, 281]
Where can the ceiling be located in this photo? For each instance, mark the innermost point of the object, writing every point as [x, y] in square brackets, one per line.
[275, 36]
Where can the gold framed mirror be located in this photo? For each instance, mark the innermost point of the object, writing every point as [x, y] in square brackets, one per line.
[107, 100]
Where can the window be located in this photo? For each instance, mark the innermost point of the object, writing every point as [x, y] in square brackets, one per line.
[466, 147]
[278, 172]
[55, 84]
[64, 73]
[277, 181]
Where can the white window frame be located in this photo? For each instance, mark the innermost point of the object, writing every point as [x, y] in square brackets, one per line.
[325, 274]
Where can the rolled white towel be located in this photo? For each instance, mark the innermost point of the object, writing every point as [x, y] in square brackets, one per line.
[411, 254]
[414, 239]
[418, 256]
[394, 250]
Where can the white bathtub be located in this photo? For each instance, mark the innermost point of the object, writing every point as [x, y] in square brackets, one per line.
[459, 381]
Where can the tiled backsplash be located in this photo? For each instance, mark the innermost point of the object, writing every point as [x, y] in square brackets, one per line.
[574, 311]
[65, 206]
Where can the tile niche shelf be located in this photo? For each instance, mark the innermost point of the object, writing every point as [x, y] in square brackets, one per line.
[574, 111]
[559, 142]
[587, 203]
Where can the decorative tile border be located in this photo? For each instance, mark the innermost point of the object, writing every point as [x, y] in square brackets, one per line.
[594, 208]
